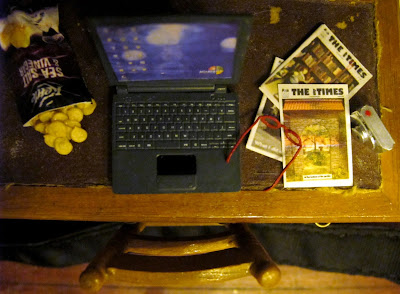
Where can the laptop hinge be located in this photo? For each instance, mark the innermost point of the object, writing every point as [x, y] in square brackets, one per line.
[163, 89]
[220, 89]
[122, 90]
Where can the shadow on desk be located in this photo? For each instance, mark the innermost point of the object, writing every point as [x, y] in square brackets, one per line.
[362, 249]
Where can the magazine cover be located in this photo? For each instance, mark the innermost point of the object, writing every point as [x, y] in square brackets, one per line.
[266, 141]
[320, 115]
[321, 59]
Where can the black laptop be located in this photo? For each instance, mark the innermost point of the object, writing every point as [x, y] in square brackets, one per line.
[173, 118]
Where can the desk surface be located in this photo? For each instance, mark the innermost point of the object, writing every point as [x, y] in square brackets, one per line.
[76, 187]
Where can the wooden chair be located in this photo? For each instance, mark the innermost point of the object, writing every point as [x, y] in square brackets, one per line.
[140, 260]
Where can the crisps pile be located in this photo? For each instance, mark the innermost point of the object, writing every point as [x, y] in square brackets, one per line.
[61, 126]
[51, 95]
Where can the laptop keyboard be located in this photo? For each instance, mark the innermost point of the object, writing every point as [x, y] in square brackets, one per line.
[176, 125]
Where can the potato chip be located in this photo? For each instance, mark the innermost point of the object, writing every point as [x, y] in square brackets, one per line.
[4, 40]
[19, 34]
[69, 130]
[46, 116]
[40, 127]
[65, 109]
[49, 140]
[75, 114]
[78, 135]
[89, 108]
[72, 123]
[82, 105]
[59, 116]
[58, 129]
[63, 146]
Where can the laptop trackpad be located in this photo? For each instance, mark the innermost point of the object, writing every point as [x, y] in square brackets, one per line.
[176, 172]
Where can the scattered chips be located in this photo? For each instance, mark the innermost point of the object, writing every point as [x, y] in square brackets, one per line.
[78, 135]
[63, 146]
[62, 125]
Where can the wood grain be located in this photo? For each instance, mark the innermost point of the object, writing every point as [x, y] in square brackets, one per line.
[303, 206]
[21, 278]
[100, 204]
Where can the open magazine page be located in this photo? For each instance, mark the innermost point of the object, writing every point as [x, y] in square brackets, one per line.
[321, 59]
[320, 115]
[263, 140]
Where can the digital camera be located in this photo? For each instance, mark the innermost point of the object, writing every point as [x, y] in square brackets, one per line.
[369, 129]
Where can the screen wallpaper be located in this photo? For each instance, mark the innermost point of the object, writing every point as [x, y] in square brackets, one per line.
[170, 51]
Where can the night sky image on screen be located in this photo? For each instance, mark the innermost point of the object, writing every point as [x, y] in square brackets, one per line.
[170, 51]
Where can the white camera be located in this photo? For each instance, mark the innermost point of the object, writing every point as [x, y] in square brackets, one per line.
[368, 128]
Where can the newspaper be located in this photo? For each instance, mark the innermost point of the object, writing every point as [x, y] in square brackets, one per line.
[321, 59]
[320, 115]
[266, 141]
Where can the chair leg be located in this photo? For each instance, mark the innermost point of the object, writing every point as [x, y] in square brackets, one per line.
[95, 275]
[263, 268]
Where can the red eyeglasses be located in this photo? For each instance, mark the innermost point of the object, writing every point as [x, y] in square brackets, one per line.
[291, 135]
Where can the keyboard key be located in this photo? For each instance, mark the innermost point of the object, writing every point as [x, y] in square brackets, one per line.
[122, 145]
[167, 135]
[131, 146]
[122, 137]
[209, 135]
[214, 145]
[229, 135]
[167, 144]
[230, 127]
[148, 145]
[230, 108]
[217, 135]
[229, 118]
[201, 135]
[158, 136]
[185, 144]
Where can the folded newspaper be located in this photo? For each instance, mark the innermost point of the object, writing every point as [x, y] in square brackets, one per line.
[321, 59]
[320, 115]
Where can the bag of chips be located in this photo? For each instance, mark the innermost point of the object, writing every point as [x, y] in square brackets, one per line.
[50, 93]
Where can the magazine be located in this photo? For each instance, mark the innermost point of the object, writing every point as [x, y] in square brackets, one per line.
[320, 115]
[321, 59]
[266, 141]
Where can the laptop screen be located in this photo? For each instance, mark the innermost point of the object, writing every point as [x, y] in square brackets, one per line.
[170, 51]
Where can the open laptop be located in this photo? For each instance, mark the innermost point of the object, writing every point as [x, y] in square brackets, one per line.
[173, 119]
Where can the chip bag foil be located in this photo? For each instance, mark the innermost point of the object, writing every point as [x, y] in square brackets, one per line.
[42, 66]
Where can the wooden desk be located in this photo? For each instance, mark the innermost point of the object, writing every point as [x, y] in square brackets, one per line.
[98, 203]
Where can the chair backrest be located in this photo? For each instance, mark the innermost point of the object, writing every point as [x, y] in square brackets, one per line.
[132, 258]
